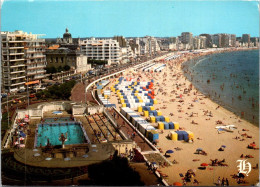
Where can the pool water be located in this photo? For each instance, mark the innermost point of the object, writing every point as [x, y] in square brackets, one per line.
[53, 132]
[57, 112]
[56, 120]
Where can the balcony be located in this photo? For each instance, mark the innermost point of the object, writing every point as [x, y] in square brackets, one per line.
[16, 54]
[15, 47]
[17, 83]
[17, 77]
[17, 65]
[38, 67]
[17, 71]
[39, 76]
[16, 59]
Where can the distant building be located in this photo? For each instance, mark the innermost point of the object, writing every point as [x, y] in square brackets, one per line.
[23, 59]
[203, 42]
[208, 40]
[196, 42]
[233, 40]
[167, 45]
[66, 57]
[216, 40]
[148, 44]
[186, 38]
[246, 39]
[255, 41]
[173, 40]
[67, 38]
[125, 49]
[135, 47]
[101, 49]
[68, 42]
[224, 40]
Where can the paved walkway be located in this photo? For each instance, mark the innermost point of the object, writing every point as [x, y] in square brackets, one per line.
[128, 130]
[78, 94]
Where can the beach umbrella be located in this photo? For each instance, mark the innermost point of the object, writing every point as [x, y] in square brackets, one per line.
[199, 149]
[177, 184]
[37, 154]
[169, 151]
[223, 146]
[204, 164]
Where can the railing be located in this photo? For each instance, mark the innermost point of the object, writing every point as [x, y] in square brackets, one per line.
[113, 122]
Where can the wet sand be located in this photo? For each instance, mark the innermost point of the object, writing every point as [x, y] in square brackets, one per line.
[172, 83]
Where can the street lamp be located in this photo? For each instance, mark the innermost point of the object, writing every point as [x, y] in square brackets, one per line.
[62, 76]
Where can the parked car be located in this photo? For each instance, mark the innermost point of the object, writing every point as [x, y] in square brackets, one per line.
[16, 101]
[21, 90]
[32, 96]
[3, 95]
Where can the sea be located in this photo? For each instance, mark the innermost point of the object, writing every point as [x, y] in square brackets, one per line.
[230, 79]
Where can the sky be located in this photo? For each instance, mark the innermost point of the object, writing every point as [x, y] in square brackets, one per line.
[135, 18]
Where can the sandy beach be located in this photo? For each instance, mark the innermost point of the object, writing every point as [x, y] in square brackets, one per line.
[182, 103]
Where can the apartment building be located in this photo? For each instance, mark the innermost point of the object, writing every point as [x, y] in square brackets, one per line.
[196, 42]
[101, 49]
[203, 42]
[23, 59]
[186, 38]
[224, 41]
[233, 40]
[148, 44]
[208, 40]
[125, 49]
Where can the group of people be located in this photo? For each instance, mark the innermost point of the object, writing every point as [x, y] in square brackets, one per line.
[223, 182]
[216, 162]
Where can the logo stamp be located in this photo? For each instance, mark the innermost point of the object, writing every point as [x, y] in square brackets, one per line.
[244, 167]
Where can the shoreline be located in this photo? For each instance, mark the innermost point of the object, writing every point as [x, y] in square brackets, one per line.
[168, 86]
[217, 101]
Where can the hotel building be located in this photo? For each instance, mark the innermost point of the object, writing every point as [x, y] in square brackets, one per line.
[101, 49]
[23, 59]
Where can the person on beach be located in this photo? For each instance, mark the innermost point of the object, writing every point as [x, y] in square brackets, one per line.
[223, 182]
[219, 182]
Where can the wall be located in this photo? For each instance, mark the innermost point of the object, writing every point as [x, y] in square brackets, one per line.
[78, 110]
[56, 106]
[95, 109]
[121, 146]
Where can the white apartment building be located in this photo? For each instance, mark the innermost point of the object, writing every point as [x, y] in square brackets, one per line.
[196, 42]
[148, 44]
[101, 49]
[23, 59]
[203, 42]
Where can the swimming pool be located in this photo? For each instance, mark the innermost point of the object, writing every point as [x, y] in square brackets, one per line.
[75, 134]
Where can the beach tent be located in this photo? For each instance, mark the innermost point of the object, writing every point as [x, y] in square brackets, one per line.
[169, 151]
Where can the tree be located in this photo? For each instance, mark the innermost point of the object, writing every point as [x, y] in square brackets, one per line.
[97, 62]
[66, 68]
[115, 172]
[59, 69]
[51, 69]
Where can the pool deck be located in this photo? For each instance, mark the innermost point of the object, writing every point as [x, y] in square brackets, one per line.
[97, 153]
[77, 155]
